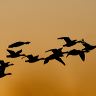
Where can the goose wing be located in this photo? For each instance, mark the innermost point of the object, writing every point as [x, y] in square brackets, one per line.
[49, 58]
[36, 56]
[67, 55]
[10, 51]
[60, 49]
[18, 52]
[46, 60]
[51, 50]
[67, 39]
[55, 50]
[82, 55]
[86, 44]
[60, 60]
[48, 50]
[16, 44]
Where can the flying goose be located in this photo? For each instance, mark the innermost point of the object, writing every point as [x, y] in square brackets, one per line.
[14, 54]
[68, 41]
[32, 59]
[74, 52]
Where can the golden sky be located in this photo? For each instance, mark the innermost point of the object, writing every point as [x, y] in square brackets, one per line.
[42, 22]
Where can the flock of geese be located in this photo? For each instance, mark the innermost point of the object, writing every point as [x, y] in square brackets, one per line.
[56, 53]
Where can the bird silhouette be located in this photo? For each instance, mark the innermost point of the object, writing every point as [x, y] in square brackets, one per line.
[69, 42]
[5, 64]
[52, 57]
[88, 47]
[56, 51]
[32, 59]
[17, 44]
[3, 67]
[14, 54]
[81, 53]
[2, 71]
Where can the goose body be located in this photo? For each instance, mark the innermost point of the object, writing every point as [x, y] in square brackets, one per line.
[77, 52]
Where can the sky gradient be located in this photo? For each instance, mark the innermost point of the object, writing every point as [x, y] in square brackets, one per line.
[42, 22]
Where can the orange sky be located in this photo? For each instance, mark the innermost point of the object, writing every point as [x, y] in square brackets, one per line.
[42, 22]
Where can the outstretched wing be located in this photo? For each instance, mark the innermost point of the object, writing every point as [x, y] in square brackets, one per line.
[86, 44]
[36, 56]
[67, 55]
[10, 51]
[18, 52]
[67, 39]
[82, 55]
[16, 44]
[60, 60]
[51, 50]
[55, 50]
[46, 60]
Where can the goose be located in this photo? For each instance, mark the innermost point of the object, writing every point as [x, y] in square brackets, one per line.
[81, 53]
[17, 44]
[56, 51]
[32, 59]
[88, 47]
[14, 54]
[6, 64]
[52, 57]
[69, 42]
[2, 72]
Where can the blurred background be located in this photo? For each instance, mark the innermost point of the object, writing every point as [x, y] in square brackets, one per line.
[42, 22]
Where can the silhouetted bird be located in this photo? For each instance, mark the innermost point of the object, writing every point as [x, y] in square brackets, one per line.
[56, 51]
[77, 52]
[87, 46]
[69, 42]
[17, 44]
[5, 64]
[32, 59]
[14, 54]
[53, 56]
[2, 71]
